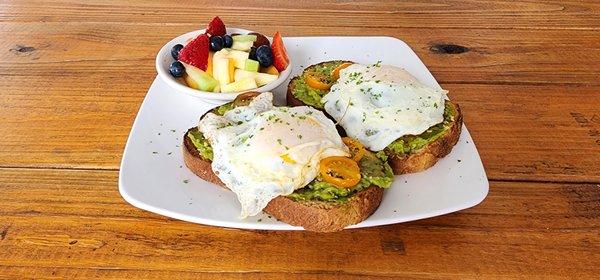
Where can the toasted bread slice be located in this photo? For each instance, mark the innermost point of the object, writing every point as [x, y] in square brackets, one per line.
[314, 215]
[415, 161]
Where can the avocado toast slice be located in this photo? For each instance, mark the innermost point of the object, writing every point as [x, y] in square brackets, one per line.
[319, 206]
[407, 154]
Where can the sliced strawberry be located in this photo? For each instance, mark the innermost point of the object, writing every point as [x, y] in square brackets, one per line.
[196, 52]
[281, 59]
[216, 27]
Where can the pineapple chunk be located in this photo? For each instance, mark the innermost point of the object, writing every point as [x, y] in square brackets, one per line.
[242, 46]
[238, 86]
[223, 69]
[239, 58]
[261, 78]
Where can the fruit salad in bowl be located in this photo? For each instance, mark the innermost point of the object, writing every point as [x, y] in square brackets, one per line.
[218, 63]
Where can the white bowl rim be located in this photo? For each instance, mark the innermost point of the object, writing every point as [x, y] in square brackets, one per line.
[165, 51]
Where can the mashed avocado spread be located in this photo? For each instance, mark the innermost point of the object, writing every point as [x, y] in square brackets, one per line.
[201, 144]
[199, 141]
[221, 110]
[309, 95]
[409, 143]
[374, 170]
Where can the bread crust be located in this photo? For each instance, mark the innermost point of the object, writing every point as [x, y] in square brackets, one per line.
[198, 165]
[326, 217]
[312, 215]
[401, 163]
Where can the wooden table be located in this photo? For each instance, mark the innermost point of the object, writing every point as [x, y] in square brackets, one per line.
[73, 75]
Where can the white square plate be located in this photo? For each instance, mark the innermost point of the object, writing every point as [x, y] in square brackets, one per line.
[154, 178]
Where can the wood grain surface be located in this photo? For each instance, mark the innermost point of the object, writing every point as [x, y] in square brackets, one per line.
[76, 223]
[526, 74]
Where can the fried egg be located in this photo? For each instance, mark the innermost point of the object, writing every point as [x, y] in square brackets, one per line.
[378, 104]
[262, 151]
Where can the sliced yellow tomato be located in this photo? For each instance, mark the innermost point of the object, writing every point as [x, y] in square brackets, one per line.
[336, 72]
[341, 172]
[357, 150]
[318, 81]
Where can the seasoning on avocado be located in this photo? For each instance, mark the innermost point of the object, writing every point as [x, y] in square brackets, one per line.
[221, 110]
[310, 95]
[410, 143]
[202, 145]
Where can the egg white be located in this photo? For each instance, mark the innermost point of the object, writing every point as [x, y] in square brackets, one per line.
[378, 104]
[262, 151]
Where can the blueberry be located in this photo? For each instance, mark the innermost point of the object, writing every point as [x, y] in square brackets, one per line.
[175, 51]
[216, 43]
[252, 54]
[227, 41]
[264, 55]
[176, 69]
